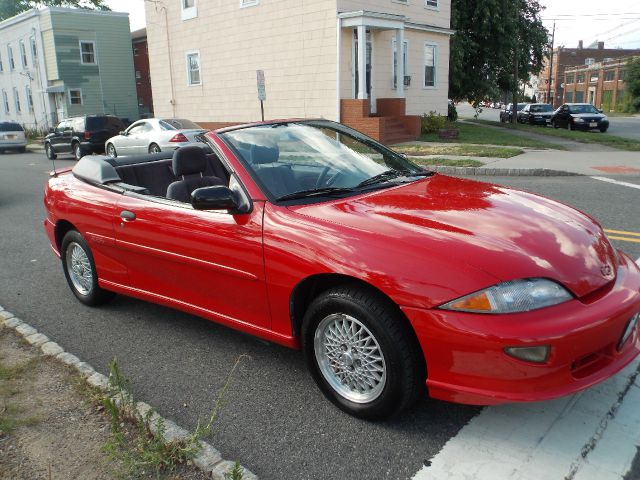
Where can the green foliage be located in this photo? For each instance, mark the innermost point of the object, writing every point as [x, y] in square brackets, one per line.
[235, 473]
[432, 122]
[10, 8]
[632, 85]
[489, 36]
[452, 113]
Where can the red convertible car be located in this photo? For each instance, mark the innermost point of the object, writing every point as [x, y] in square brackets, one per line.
[391, 278]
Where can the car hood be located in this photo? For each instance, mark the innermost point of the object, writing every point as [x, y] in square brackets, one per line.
[506, 233]
[595, 116]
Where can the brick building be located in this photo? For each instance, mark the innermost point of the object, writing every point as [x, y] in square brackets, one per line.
[143, 76]
[564, 58]
[600, 84]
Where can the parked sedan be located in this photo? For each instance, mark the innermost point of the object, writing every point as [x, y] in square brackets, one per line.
[581, 116]
[506, 114]
[391, 278]
[536, 114]
[154, 135]
[12, 137]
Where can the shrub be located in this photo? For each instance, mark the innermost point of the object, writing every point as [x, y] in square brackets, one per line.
[452, 113]
[432, 122]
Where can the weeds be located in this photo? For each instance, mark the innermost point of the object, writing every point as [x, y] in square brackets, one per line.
[143, 450]
[235, 473]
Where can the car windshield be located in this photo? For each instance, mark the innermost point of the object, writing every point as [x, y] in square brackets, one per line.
[582, 109]
[306, 159]
[541, 108]
[10, 127]
[179, 123]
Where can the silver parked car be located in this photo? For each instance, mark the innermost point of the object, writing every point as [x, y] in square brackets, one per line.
[12, 137]
[154, 135]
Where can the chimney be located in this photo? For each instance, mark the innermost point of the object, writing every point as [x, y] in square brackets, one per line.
[580, 45]
[600, 45]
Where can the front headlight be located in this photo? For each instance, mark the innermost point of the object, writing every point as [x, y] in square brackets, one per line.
[578, 120]
[512, 297]
[604, 118]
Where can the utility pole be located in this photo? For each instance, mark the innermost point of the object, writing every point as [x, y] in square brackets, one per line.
[514, 111]
[549, 80]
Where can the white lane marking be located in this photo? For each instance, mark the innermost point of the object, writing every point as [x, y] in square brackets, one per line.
[617, 182]
[590, 435]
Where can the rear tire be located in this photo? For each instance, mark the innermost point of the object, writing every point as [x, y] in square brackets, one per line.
[80, 270]
[361, 354]
[111, 151]
[48, 150]
[78, 153]
[22, 150]
[154, 148]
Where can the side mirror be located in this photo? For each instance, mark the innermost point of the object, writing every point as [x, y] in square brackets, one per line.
[600, 110]
[123, 133]
[215, 198]
[52, 130]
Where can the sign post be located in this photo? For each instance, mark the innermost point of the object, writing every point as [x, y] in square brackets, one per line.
[262, 91]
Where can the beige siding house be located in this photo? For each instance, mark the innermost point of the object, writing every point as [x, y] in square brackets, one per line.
[334, 59]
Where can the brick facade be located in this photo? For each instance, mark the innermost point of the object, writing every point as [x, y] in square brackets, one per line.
[389, 125]
[564, 58]
[143, 75]
[601, 84]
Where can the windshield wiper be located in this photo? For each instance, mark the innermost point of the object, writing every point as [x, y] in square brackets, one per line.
[390, 174]
[316, 192]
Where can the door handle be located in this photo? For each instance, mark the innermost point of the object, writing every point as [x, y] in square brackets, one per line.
[127, 216]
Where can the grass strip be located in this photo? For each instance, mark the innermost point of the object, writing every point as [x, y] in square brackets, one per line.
[459, 150]
[446, 162]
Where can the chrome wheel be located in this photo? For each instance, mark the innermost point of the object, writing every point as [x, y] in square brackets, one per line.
[77, 151]
[154, 148]
[111, 151]
[350, 358]
[79, 268]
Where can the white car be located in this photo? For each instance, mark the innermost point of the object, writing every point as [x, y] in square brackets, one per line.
[12, 137]
[154, 135]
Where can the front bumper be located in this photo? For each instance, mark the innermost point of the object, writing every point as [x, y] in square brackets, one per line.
[465, 355]
[591, 125]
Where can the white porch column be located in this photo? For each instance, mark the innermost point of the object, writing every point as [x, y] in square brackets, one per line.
[362, 62]
[400, 62]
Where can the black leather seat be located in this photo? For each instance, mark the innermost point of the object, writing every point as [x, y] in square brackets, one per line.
[189, 163]
[277, 177]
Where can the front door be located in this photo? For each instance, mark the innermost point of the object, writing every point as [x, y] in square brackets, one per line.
[212, 261]
[368, 68]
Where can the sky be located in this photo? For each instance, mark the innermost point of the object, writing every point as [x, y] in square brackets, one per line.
[616, 22]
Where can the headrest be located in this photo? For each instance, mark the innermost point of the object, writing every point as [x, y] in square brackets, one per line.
[264, 154]
[189, 160]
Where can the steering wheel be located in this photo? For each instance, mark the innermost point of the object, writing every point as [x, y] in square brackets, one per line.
[323, 181]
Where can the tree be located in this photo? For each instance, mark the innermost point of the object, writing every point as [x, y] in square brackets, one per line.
[10, 8]
[632, 85]
[490, 35]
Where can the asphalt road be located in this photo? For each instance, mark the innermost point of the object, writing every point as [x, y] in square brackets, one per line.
[628, 127]
[274, 420]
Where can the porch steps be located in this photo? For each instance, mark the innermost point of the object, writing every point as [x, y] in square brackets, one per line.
[395, 131]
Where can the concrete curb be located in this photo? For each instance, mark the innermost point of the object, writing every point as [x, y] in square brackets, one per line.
[209, 460]
[502, 172]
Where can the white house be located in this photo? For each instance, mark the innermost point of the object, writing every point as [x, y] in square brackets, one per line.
[322, 58]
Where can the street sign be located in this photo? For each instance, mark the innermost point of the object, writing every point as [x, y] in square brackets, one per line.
[262, 89]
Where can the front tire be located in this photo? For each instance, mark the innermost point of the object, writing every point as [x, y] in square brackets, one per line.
[603, 129]
[80, 270]
[361, 353]
[111, 151]
[48, 150]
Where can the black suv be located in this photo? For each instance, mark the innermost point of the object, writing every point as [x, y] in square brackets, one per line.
[82, 135]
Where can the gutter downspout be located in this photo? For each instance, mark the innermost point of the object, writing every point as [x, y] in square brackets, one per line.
[339, 61]
[173, 93]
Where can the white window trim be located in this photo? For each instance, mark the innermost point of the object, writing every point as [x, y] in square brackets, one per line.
[186, 61]
[5, 101]
[11, 59]
[69, 96]
[23, 55]
[406, 65]
[1, 64]
[16, 100]
[435, 67]
[248, 3]
[189, 12]
[33, 45]
[29, 97]
[432, 7]
[402, 2]
[95, 52]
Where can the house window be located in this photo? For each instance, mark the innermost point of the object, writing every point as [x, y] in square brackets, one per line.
[579, 97]
[622, 74]
[88, 53]
[23, 54]
[12, 64]
[75, 97]
[430, 51]
[594, 77]
[405, 55]
[609, 75]
[620, 100]
[568, 97]
[189, 9]
[135, 51]
[193, 68]
[5, 99]
[16, 98]
[589, 61]
[34, 50]
[571, 78]
[27, 91]
[431, 3]
[248, 3]
[581, 78]
[401, 1]
[1, 66]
